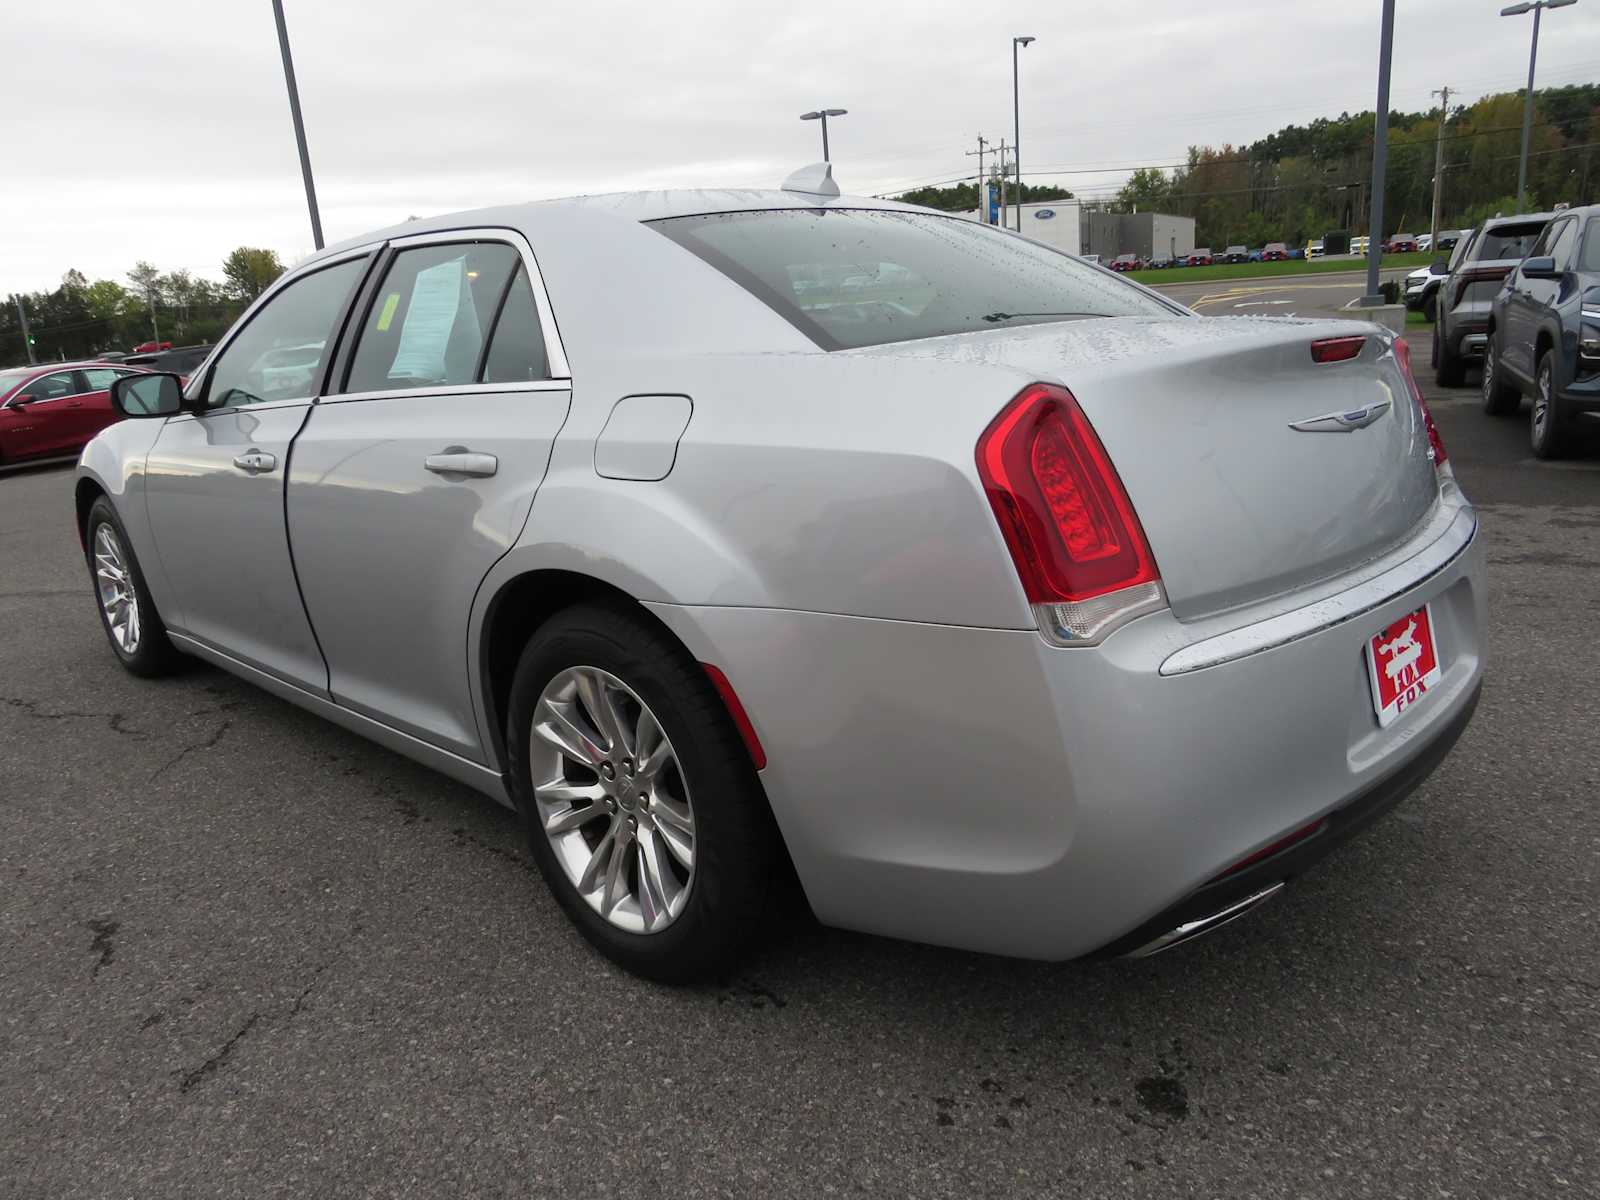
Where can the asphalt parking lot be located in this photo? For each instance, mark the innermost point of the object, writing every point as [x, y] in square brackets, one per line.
[245, 953]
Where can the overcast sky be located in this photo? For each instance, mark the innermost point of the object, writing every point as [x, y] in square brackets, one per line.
[160, 130]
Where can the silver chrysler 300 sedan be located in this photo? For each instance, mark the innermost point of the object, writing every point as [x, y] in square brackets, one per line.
[1015, 606]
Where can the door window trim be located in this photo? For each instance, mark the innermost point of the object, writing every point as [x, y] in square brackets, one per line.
[555, 353]
[200, 381]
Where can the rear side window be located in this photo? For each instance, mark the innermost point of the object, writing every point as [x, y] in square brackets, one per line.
[430, 319]
[865, 277]
[1561, 244]
[516, 348]
[1589, 260]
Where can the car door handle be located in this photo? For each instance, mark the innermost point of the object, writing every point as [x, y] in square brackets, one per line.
[461, 462]
[255, 461]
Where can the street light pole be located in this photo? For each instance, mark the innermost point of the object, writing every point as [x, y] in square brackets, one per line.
[1016, 123]
[822, 114]
[1516, 10]
[1438, 167]
[27, 337]
[299, 125]
[1380, 159]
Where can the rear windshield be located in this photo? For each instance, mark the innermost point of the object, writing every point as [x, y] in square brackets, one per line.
[1508, 241]
[867, 277]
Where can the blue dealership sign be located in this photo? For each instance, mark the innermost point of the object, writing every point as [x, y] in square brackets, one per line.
[1044, 214]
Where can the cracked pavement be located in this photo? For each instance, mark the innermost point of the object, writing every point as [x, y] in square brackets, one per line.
[245, 953]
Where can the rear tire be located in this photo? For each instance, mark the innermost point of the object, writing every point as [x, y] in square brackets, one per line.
[1448, 369]
[1430, 306]
[667, 919]
[127, 612]
[1499, 399]
[1546, 434]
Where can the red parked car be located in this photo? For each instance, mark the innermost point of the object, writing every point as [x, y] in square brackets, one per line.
[1126, 262]
[53, 409]
[1401, 243]
[1275, 252]
[151, 347]
[1200, 258]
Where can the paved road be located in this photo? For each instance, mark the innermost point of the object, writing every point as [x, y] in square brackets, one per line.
[243, 953]
[1282, 296]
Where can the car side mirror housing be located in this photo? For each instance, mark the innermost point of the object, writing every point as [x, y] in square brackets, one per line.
[1543, 267]
[153, 395]
[1439, 266]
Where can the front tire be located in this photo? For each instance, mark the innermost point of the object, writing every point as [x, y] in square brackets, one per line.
[127, 613]
[644, 810]
[1430, 306]
[1499, 398]
[1546, 434]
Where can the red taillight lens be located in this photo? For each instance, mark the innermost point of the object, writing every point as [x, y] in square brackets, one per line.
[1065, 516]
[1339, 349]
[1435, 443]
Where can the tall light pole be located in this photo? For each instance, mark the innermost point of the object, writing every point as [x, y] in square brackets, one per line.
[1016, 123]
[822, 114]
[299, 125]
[1516, 10]
[1380, 158]
[1438, 167]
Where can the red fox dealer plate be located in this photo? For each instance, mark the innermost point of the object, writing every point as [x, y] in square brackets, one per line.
[1403, 665]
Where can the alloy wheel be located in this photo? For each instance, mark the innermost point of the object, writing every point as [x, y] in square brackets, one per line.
[1488, 371]
[1541, 401]
[114, 583]
[611, 796]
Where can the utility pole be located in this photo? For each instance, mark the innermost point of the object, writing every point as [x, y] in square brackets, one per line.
[27, 338]
[1380, 158]
[299, 125]
[983, 182]
[1003, 170]
[1438, 165]
[1516, 10]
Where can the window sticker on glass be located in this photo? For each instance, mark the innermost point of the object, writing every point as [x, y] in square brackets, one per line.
[436, 299]
[391, 302]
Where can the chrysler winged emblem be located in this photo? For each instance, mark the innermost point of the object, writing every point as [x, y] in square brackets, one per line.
[1342, 422]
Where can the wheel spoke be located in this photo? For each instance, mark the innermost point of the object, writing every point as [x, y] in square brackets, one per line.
[676, 827]
[616, 873]
[562, 732]
[657, 886]
[602, 853]
[564, 791]
[601, 707]
[568, 819]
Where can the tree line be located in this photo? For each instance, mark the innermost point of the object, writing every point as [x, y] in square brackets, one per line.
[1307, 180]
[81, 319]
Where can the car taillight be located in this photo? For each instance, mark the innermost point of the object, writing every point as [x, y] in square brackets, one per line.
[1435, 443]
[1078, 548]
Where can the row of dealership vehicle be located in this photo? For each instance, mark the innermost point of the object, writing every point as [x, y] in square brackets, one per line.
[1521, 295]
[1203, 257]
[982, 595]
[51, 410]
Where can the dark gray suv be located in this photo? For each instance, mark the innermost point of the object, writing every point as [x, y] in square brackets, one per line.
[1544, 333]
[1478, 266]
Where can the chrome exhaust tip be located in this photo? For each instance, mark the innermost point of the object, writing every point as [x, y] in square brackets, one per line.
[1190, 930]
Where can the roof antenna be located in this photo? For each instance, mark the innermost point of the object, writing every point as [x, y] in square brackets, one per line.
[815, 180]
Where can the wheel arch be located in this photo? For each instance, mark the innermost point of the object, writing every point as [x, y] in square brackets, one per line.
[85, 492]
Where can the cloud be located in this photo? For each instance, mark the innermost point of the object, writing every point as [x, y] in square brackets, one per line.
[160, 130]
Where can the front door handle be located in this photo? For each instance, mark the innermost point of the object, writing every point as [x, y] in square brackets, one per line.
[461, 462]
[255, 461]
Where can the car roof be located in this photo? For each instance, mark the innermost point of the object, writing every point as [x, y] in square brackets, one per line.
[630, 207]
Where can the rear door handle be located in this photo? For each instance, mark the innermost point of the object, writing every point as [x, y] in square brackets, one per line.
[461, 462]
[255, 461]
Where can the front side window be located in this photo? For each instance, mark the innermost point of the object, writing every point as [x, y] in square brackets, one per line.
[866, 277]
[1561, 245]
[279, 354]
[1589, 260]
[431, 317]
[51, 387]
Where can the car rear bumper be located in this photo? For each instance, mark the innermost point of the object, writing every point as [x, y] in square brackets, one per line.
[979, 788]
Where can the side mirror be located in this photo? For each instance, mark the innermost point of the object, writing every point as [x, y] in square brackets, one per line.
[147, 395]
[1543, 267]
[1439, 266]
